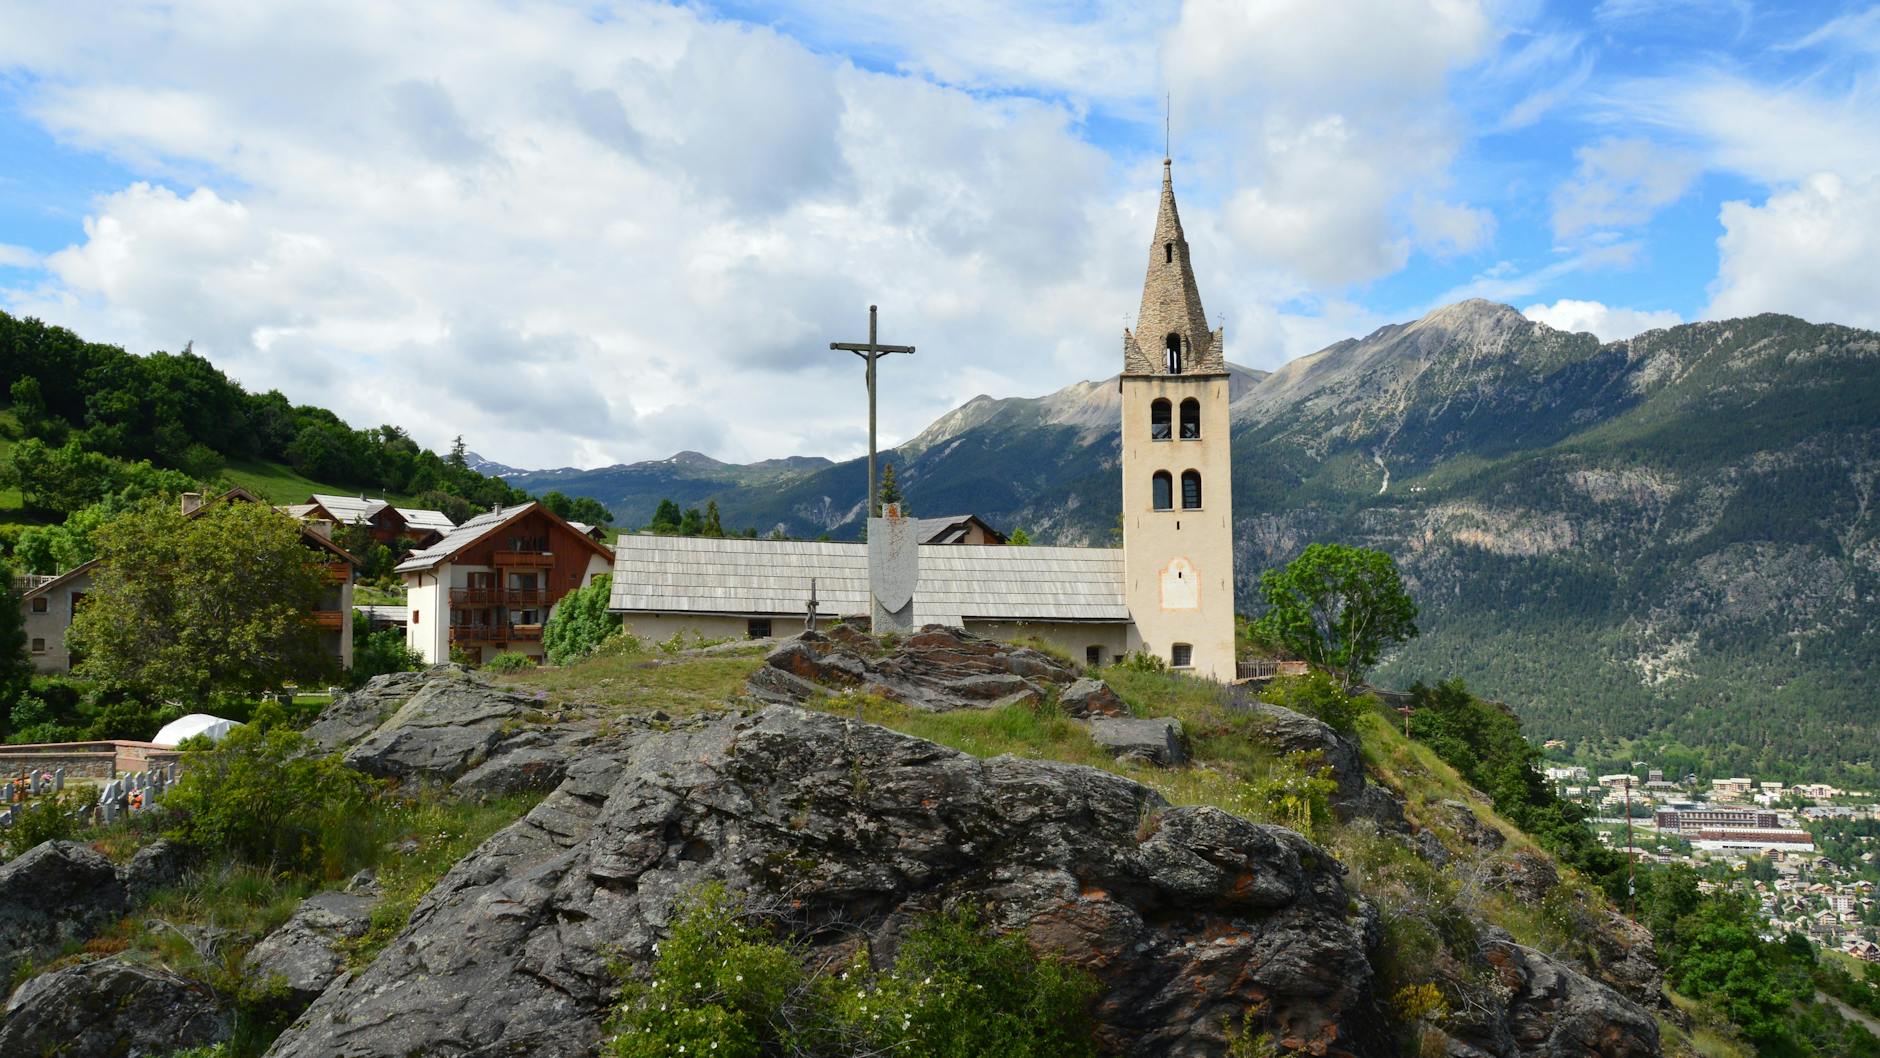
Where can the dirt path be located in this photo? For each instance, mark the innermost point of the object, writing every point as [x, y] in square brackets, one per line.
[1850, 1013]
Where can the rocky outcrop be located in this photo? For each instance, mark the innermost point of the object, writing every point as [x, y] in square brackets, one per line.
[937, 668]
[449, 725]
[52, 894]
[303, 955]
[1156, 740]
[157, 865]
[1090, 697]
[112, 1008]
[1189, 921]
[1548, 1010]
[1291, 732]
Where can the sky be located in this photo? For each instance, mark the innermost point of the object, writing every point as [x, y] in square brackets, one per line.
[585, 233]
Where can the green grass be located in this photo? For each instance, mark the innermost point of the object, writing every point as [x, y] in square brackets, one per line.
[277, 483]
[630, 676]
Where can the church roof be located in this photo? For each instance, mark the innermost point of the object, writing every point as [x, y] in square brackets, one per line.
[698, 575]
[1171, 302]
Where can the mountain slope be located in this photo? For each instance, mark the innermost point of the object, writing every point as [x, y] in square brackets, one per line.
[1672, 538]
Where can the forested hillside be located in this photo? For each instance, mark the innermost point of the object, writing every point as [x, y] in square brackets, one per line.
[91, 429]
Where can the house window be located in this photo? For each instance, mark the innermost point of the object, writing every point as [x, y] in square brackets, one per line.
[415, 615]
[757, 628]
[1172, 350]
[39, 645]
[1158, 420]
[1181, 656]
[1191, 419]
[1164, 489]
[1093, 656]
[39, 604]
[1191, 490]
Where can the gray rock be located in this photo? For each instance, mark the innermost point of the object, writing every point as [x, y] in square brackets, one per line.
[1291, 732]
[303, 954]
[528, 768]
[113, 1008]
[1153, 740]
[351, 717]
[938, 668]
[1188, 923]
[1552, 1011]
[157, 865]
[1469, 827]
[1092, 697]
[54, 893]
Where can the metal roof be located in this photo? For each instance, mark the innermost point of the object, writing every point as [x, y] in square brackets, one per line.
[419, 518]
[673, 574]
[350, 509]
[460, 537]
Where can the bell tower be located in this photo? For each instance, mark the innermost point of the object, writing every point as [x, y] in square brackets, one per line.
[1178, 539]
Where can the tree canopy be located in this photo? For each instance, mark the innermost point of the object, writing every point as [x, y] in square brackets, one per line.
[185, 607]
[580, 622]
[1338, 607]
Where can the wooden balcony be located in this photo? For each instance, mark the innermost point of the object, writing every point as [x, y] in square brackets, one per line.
[495, 634]
[524, 633]
[522, 558]
[497, 596]
[337, 572]
[329, 618]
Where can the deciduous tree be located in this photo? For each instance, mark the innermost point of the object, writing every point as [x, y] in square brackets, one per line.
[182, 607]
[1337, 607]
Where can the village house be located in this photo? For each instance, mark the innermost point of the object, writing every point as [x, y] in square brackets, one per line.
[50, 604]
[490, 584]
[1168, 591]
[384, 522]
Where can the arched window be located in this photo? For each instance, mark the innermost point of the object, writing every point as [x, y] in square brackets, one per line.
[1172, 345]
[1191, 419]
[1168, 253]
[1158, 420]
[1191, 490]
[1164, 489]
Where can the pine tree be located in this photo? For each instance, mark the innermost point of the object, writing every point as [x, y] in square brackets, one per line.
[457, 458]
[891, 489]
[713, 527]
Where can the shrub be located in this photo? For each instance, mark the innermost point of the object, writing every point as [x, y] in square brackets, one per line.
[1143, 661]
[509, 661]
[580, 622]
[1317, 695]
[380, 652]
[44, 819]
[258, 795]
[724, 984]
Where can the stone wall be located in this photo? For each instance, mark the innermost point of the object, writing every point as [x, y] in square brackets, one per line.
[87, 760]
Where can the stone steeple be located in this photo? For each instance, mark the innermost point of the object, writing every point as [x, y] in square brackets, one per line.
[1171, 319]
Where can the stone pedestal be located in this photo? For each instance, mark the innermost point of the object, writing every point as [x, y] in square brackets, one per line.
[893, 571]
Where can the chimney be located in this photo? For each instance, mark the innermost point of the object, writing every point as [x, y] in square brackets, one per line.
[321, 527]
[192, 502]
[496, 508]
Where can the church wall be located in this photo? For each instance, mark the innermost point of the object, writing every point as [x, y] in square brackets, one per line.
[657, 628]
[1192, 550]
[1072, 637]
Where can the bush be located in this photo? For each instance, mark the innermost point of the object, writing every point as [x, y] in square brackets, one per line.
[724, 984]
[380, 652]
[260, 796]
[580, 622]
[1143, 661]
[44, 819]
[509, 661]
[1317, 695]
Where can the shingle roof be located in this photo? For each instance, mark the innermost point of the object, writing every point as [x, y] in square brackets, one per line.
[950, 528]
[669, 574]
[350, 509]
[419, 518]
[459, 537]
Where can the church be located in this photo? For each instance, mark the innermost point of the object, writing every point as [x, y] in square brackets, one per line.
[1168, 591]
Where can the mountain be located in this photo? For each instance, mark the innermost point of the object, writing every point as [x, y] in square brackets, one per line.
[633, 490]
[1665, 545]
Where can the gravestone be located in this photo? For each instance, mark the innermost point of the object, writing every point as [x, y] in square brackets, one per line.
[58, 780]
[893, 571]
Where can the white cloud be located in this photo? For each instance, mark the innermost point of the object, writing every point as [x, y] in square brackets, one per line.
[1608, 323]
[1809, 251]
[17, 257]
[1620, 183]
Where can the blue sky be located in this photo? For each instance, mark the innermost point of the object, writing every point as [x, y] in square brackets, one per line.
[582, 233]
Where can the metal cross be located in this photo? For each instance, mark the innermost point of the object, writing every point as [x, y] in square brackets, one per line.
[871, 352]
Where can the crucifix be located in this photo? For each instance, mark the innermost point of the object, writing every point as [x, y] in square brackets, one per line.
[871, 352]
